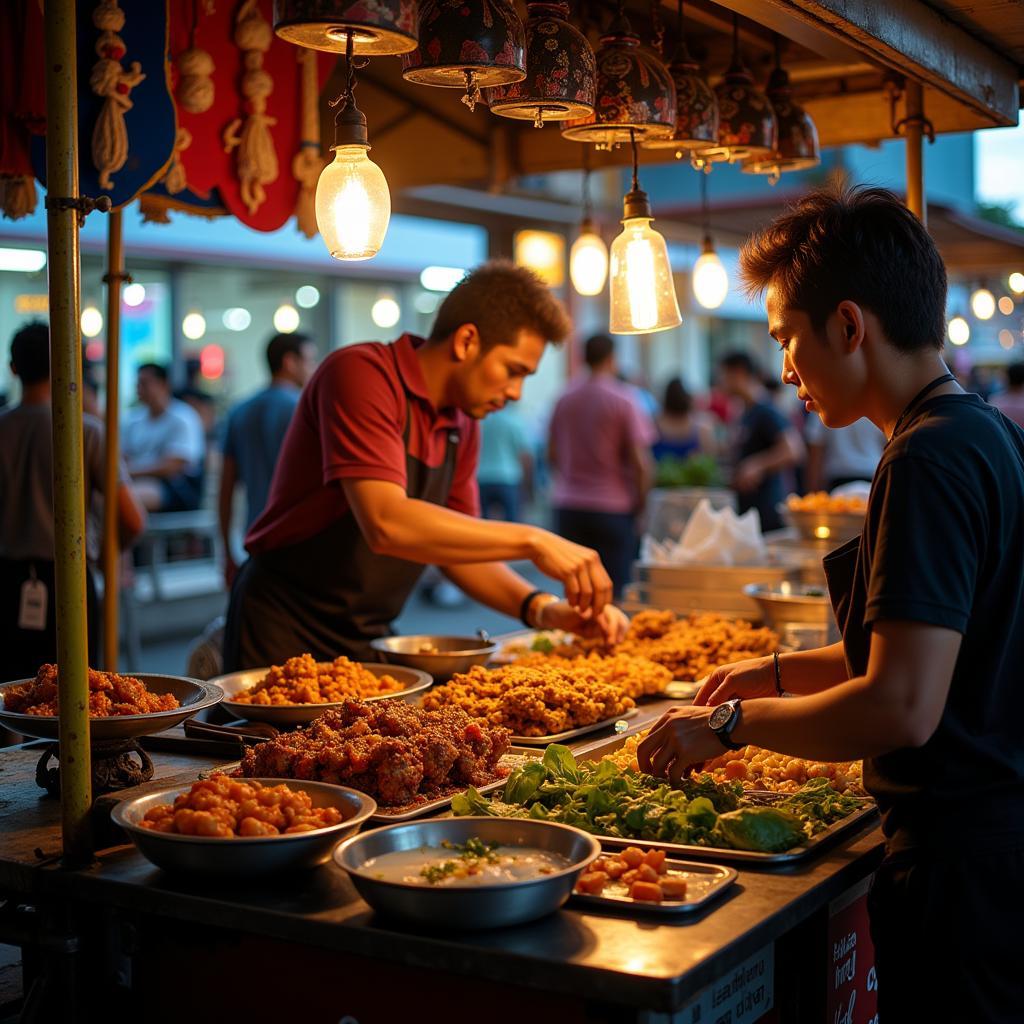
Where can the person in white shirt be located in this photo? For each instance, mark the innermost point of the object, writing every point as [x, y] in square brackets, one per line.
[163, 445]
[840, 456]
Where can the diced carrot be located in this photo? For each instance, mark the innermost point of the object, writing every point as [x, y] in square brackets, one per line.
[601, 864]
[630, 876]
[615, 868]
[656, 859]
[592, 883]
[647, 874]
[650, 892]
[674, 888]
[633, 856]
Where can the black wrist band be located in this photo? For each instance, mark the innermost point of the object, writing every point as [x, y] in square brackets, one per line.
[524, 608]
[778, 675]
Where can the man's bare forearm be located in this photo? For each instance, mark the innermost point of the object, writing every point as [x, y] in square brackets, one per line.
[806, 672]
[493, 584]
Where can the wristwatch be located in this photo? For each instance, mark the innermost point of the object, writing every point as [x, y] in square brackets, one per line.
[723, 720]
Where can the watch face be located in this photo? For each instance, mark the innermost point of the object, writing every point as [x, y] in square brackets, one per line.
[720, 716]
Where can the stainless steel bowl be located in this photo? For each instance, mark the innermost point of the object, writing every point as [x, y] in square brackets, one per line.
[491, 906]
[452, 654]
[193, 696]
[242, 856]
[837, 527]
[794, 607]
[415, 683]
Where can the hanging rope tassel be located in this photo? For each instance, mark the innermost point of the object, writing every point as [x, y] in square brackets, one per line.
[257, 158]
[308, 162]
[18, 196]
[175, 180]
[195, 86]
[110, 80]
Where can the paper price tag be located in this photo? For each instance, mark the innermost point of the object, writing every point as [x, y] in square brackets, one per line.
[32, 607]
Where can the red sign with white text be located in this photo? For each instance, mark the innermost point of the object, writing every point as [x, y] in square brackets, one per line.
[852, 983]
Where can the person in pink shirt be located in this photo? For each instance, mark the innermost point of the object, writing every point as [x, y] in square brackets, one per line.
[1011, 401]
[599, 451]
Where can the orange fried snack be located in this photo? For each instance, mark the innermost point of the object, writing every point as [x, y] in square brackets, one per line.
[222, 808]
[109, 694]
[533, 700]
[303, 680]
[822, 501]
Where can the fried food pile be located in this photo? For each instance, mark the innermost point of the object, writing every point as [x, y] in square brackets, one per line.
[109, 694]
[758, 768]
[390, 750]
[302, 680]
[635, 677]
[222, 808]
[534, 700]
[822, 501]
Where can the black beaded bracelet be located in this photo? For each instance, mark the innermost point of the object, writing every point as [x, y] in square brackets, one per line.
[524, 608]
[778, 675]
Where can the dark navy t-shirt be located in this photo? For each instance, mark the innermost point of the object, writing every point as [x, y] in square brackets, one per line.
[943, 544]
[760, 427]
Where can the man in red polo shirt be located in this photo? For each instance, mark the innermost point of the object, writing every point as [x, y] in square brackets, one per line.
[376, 479]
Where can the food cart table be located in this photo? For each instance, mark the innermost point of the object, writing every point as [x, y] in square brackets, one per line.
[133, 938]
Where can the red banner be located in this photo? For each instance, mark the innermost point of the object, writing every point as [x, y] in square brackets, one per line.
[852, 983]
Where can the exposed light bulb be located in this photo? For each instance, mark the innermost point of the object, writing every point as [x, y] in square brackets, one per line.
[91, 321]
[588, 261]
[1017, 282]
[643, 294]
[286, 319]
[353, 205]
[983, 304]
[959, 331]
[710, 281]
[134, 295]
[386, 312]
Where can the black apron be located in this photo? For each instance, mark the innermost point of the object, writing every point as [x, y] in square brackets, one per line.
[328, 595]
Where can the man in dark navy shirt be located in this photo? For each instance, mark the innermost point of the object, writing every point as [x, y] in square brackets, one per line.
[927, 683]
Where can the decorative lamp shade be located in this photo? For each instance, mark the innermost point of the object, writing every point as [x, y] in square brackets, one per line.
[635, 93]
[378, 27]
[560, 71]
[696, 107]
[467, 45]
[747, 128]
[797, 139]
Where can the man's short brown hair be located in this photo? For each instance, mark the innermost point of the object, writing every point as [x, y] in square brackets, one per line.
[502, 299]
[860, 244]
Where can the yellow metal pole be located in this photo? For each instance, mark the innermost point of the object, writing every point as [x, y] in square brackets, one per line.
[68, 475]
[914, 114]
[111, 549]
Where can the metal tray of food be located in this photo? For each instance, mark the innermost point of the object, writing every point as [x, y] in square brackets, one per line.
[571, 734]
[300, 714]
[519, 643]
[193, 696]
[751, 858]
[707, 882]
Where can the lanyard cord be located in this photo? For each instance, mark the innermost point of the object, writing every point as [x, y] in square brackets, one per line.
[917, 399]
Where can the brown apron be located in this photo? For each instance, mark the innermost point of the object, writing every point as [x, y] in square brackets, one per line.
[328, 595]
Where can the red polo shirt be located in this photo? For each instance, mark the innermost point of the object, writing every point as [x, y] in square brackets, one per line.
[349, 423]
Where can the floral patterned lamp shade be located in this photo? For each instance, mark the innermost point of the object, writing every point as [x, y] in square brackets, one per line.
[467, 46]
[797, 147]
[377, 27]
[746, 121]
[560, 71]
[696, 108]
[636, 97]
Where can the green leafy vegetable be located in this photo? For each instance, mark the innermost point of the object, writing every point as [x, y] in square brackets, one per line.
[766, 829]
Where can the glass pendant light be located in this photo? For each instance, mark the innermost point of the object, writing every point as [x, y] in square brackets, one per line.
[588, 258]
[696, 103]
[467, 46]
[797, 148]
[643, 294]
[377, 28]
[746, 121]
[636, 96]
[353, 202]
[710, 281]
[560, 71]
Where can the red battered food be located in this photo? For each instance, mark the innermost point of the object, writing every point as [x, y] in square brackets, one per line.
[390, 750]
[109, 694]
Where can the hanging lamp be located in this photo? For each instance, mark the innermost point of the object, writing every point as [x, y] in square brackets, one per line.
[797, 148]
[463, 45]
[746, 121]
[588, 258]
[636, 97]
[643, 294]
[560, 71]
[353, 202]
[377, 28]
[709, 279]
[696, 103]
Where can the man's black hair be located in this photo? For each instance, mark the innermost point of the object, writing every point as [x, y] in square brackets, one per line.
[281, 345]
[157, 369]
[598, 349]
[30, 353]
[739, 361]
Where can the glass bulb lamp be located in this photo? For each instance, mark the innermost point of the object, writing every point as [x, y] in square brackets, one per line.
[710, 281]
[588, 261]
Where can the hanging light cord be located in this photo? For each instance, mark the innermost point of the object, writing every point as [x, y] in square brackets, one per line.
[705, 215]
[347, 97]
[587, 208]
[636, 178]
